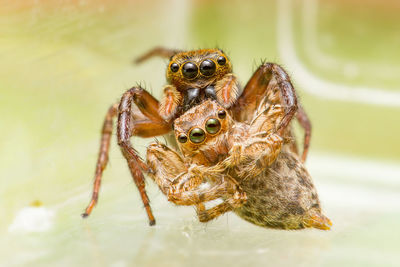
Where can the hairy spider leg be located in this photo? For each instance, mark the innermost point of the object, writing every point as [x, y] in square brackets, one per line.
[235, 201]
[151, 126]
[177, 180]
[306, 124]
[171, 170]
[270, 76]
[256, 152]
[102, 159]
[223, 187]
[226, 188]
[143, 121]
[227, 90]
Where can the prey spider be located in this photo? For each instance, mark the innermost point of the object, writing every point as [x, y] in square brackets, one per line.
[249, 165]
[193, 77]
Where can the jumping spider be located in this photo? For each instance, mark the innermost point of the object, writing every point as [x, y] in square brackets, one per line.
[194, 77]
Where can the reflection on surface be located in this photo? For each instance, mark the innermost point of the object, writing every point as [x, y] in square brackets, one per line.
[65, 63]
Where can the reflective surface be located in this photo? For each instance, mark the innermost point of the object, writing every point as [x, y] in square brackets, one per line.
[65, 63]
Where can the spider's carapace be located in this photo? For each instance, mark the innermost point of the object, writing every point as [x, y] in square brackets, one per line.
[194, 76]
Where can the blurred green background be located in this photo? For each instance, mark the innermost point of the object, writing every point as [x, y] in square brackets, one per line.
[63, 63]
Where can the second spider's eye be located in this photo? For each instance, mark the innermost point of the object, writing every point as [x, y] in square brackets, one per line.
[222, 114]
[221, 60]
[189, 70]
[197, 135]
[182, 138]
[213, 126]
[207, 67]
[174, 67]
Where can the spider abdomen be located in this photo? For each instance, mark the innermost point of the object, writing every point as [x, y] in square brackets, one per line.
[283, 196]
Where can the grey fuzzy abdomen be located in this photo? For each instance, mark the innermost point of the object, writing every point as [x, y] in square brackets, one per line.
[280, 197]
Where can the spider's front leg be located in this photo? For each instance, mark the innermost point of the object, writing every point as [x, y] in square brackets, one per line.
[260, 153]
[102, 159]
[227, 90]
[168, 169]
[181, 184]
[270, 85]
[140, 119]
[232, 202]
[250, 156]
[149, 125]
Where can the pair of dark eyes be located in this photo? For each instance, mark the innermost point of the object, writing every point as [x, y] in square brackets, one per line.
[197, 135]
[190, 70]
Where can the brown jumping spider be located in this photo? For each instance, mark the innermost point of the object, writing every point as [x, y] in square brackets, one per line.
[194, 77]
[249, 165]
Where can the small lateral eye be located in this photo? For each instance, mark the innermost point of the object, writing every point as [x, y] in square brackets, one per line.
[221, 60]
[222, 114]
[213, 126]
[182, 138]
[174, 67]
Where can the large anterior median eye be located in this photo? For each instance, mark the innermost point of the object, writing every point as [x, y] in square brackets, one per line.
[197, 135]
[213, 126]
[207, 67]
[189, 70]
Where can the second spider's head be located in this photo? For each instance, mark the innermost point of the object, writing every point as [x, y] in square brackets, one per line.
[201, 125]
[198, 68]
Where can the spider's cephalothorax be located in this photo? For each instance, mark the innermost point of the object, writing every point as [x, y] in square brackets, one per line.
[197, 69]
[194, 77]
[197, 75]
[248, 165]
[197, 137]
